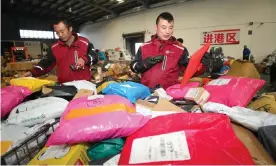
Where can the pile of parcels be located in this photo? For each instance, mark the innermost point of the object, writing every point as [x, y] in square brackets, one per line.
[99, 73]
[209, 121]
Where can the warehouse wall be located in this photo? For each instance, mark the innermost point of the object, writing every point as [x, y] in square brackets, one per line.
[12, 23]
[194, 17]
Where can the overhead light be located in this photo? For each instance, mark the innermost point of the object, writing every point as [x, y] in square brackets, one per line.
[70, 9]
[12, 2]
[120, 1]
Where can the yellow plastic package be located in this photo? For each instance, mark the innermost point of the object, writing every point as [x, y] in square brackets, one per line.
[33, 84]
[62, 155]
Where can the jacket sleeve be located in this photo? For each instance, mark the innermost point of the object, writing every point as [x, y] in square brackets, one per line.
[184, 60]
[46, 64]
[91, 57]
[138, 66]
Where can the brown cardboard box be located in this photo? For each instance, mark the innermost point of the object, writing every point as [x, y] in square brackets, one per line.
[46, 90]
[257, 151]
[162, 105]
[197, 79]
[272, 93]
[241, 68]
[6, 79]
[83, 92]
[145, 103]
[165, 105]
[21, 65]
[265, 103]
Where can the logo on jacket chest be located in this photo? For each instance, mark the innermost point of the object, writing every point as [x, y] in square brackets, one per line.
[169, 52]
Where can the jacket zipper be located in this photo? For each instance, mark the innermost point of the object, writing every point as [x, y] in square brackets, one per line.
[76, 56]
[164, 63]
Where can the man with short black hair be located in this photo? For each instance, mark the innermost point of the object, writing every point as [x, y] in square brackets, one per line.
[161, 59]
[71, 54]
[180, 40]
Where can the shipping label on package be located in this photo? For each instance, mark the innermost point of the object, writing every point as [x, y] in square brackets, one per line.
[165, 147]
[198, 95]
[219, 82]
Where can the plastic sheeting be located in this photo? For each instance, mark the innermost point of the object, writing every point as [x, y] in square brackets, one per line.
[131, 90]
[250, 119]
[11, 96]
[185, 139]
[233, 91]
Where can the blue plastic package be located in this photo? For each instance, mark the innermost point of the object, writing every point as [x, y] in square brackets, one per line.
[130, 90]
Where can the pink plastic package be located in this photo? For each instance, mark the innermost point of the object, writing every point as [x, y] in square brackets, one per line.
[233, 91]
[95, 118]
[177, 93]
[95, 101]
[11, 96]
[97, 127]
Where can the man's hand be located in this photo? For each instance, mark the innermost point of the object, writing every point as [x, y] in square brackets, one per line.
[80, 63]
[151, 61]
[27, 74]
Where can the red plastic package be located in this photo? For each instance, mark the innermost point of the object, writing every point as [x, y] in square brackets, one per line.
[179, 139]
[194, 64]
[233, 91]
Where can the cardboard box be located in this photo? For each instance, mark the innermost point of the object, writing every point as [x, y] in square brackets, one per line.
[241, 68]
[272, 93]
[62, 155]
[28, 65]
[255, 148]
[198, 95]
[162, 105]
[46, 90]
[197, 79]
[83, 92]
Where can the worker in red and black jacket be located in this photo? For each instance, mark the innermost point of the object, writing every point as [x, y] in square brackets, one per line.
[161, 59]
[71, 54]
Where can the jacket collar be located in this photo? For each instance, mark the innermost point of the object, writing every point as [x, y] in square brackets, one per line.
[171, 40]
[74, 42]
